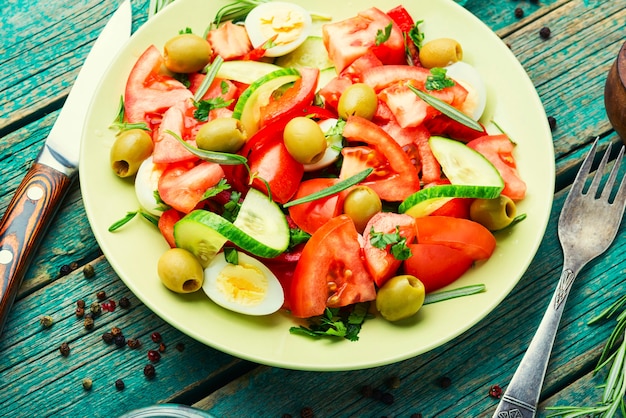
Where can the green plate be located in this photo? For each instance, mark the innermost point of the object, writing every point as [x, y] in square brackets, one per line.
[133, 251]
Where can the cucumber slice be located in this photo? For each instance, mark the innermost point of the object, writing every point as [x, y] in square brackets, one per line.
[246, 72]
[248, 107]
[262, 219]
[426, 201]
[462, 165]
[260, 228]
[312, 53]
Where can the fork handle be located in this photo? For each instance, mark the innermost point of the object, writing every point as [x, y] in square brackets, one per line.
[522, 395]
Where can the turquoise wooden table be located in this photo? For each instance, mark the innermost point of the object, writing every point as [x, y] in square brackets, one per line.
[42, 47]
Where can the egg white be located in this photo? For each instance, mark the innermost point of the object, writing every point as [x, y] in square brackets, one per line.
[272, 301]
[255, 33]
[333, 147]
[468, 77]
[147, 185]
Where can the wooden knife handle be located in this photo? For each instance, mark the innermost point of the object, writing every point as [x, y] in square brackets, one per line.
[26, 219]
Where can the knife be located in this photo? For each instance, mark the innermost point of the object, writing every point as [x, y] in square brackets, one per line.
[45, 185]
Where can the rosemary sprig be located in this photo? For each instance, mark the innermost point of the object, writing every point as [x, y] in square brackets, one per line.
[613, 354]
[236, 11]
[156, 6]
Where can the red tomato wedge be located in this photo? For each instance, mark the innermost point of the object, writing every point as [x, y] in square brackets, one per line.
[331, 272]
[148, 91]
[436, 265]
[229, 41]
[312, 215]
[182, 186]
[462, 234]
[499, 150]
[394, 177]
[166, 225]
[176, 119]
[381, 264]
[352, 38]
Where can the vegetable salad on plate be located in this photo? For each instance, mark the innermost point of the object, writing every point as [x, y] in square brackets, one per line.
[334, 169]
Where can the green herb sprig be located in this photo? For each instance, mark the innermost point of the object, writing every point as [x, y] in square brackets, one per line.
[334, 189]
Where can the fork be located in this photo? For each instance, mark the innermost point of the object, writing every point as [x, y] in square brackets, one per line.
[587, 226]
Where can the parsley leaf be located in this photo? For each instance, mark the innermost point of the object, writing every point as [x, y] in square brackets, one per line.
[221, 186]
[205, 106]
[231, 208]
[416, 36]
[297, 236]
[398, 247]
[383, 35]
[231, 255]
[336, 322]
[438, 80]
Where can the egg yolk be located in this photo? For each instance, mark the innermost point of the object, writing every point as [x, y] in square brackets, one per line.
[286, 25]
[243, 284]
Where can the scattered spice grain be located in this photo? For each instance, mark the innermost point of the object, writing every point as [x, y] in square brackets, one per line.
[552, 122]
[444, 382]
[46, 321]
[519, 12]
[154, 356]
[88, 271]
[387, 398]
[180, 347]
[133, 343]
[87, 383]
[495, 391]
[545, 32]
[149, 371]
[393, 382]
[162, 348]
[65, 270]
[95, 308]
[124, 302]
[80, 312]
[119, 384]
[88, 322]
[307, 412]
[80, 303]
[119, 340]
[101, 295]
[115, 331]
[64, 349]
[156, 337]
[108, 338]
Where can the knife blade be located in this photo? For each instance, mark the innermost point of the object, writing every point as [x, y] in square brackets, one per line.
[36, 199]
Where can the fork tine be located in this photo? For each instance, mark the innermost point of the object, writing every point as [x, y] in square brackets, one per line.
[606, 192]
[583, 172]
[597, 177]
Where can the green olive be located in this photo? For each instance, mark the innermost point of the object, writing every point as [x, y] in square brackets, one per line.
[400, 297]
[180, 271]
[440, 52]
[305, 140]
[222, 135]
[187, 53]
[359, 99]
[361, 204]
[493, 214]
[129, 150]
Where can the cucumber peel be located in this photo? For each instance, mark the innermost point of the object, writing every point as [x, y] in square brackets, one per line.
[312, 53]
[426, 201]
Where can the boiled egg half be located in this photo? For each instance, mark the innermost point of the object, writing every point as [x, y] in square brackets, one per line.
[467, 76]
[247, 287]
[147, 186]
[284, 25]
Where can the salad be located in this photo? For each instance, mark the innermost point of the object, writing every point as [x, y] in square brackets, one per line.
[314, 171]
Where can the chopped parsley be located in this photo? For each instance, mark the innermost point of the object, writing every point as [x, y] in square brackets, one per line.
[395, 242]
[203, 107]
[437, 80]
[336, 323]
[416, 36]
[383, 35]
[221, 186]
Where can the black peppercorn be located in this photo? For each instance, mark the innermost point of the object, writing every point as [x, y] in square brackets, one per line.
[87, 383]
[387, 398]
[444, 382]
[393, 382]
[149, 371]
[107, 337]
[133, 343]
[101, 295]
[88, 271]
[46, 321]
[119, 384]
[124, 302]
[180, 347]
[64, 349]
[519, 12]
[65, 270]
[119, 340]
[545, 32]
[306, 412]
[88, 323]
[552, 122]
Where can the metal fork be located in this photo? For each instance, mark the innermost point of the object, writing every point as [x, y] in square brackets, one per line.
[587, 226]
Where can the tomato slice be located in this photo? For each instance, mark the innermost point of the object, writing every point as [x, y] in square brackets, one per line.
[436, 265]
[381, 264]
[499, 150]
[462, 234]
[176, 119]
[312, 215]
[166, 225]
[394, 177]
[352, 38]
[148, 91]
[331, 272]
[229, 41]
[182, 186]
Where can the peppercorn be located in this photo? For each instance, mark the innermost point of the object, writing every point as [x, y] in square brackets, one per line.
[444, 382]
[306, 412]
[88, 271]
[156, 337]
[101, 295]
[46, 321]
[133, 343]
[95, 308]
[393, 382]
[180, 347]
[545, 32]
[87, 383]
[387, 398]
[65, 270]
[552, 122]
[162, 348]
[119, 340]
[80, 312]
[495, 391]
[154, 356]
[107, 337]
[119, 384]
[64, 349]
[115, 331]
[519, 12]
[124, 302]
[80, 303]
[149, 371]
[88, 323]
